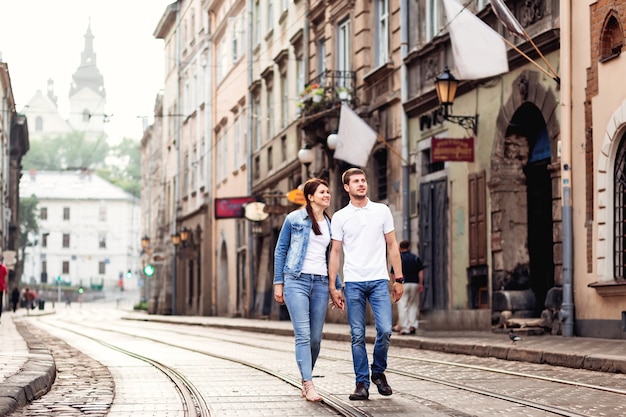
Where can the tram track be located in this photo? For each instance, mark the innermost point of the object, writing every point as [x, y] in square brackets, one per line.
[190, 395]
[465, 386]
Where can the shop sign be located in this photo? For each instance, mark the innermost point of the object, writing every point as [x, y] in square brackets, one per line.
[231, 208]
[452, 149]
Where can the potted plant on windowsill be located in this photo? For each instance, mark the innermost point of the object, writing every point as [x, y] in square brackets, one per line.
[318, 94]
[343, 93]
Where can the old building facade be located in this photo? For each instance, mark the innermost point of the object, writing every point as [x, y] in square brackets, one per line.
[495, 231]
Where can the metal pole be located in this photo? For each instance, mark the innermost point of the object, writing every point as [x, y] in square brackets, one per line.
[567, 309]
[406, 227]
[252, 289]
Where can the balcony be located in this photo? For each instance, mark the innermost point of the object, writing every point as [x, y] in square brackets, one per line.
[326, 92]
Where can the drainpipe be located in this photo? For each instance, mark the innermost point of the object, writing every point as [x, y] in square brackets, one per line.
[177, 175]
[249, 170]
[405, 123]
[567, 309]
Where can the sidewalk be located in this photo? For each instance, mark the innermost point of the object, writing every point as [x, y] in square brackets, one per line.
[27, 368]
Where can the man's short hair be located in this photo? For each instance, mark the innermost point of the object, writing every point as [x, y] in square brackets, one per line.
[345, 178]
[405, 244]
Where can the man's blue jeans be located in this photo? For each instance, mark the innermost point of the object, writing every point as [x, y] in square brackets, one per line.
[357, 294]
[307, 301]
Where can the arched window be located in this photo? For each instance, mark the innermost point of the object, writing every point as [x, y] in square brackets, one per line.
[612, 39]
[619, 207]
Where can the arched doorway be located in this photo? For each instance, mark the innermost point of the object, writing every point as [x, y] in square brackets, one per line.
[523, 169]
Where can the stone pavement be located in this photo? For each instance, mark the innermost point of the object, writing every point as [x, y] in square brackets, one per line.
[27, 369]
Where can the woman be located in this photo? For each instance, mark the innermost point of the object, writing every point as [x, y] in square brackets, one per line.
[301, 276]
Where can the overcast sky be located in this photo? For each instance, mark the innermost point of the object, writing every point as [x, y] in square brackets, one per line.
[43, 39]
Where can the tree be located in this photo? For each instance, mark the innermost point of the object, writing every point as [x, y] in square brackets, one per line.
[70, 151]
[123, 166]
[29, 224]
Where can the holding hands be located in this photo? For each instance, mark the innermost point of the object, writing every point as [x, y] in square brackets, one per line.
[336, 298]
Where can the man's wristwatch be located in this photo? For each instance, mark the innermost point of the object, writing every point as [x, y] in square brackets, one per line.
[400, 280]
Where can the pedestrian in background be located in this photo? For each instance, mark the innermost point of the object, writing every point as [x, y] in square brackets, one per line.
[28, 298]
[364, 230]
[15, 298]
[3, 283]
[408, 305]
[301, 276]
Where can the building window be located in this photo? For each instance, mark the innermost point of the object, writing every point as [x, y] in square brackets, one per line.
[619, 207]
[284, 100]
[66, 267]
[382, 32]
[433, 19]
[44, 240]
[270, 15]
[236, 141]
[612, 39]
[283, 148]
[102, 268]
[270, 158]
[102, 240]
[343, 46]
[66, 213]
[477, 219]
[320, 47]
[299, 71]
[66, 240]
[257, 23]
[380, 165]
[256, 125]
[270, 110]
[43, 213]
[428, 167]
[257, 167]
[102, 213]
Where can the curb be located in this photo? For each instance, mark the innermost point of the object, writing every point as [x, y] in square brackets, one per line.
[540, 355]
[33, 381]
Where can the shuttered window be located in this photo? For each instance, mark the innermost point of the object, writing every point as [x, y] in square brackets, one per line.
[477, 220]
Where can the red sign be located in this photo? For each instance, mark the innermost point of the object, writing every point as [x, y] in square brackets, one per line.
[231, 208]
[455, 150]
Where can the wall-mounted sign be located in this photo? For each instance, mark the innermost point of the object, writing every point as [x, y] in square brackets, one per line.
[455, 150]
[296, 196]
[256, 211]
[231, 208]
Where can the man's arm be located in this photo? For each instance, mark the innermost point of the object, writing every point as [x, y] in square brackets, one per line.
[393, 252]
[333, 270]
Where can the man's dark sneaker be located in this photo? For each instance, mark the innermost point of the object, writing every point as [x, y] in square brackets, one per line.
[360, 393]
[381, 382]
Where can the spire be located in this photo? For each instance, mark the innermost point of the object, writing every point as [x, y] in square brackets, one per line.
[88, 75]
[51, 95]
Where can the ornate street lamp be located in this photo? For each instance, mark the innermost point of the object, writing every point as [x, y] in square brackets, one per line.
[176, 239]
[446, 86]
[184, 234]
[306, 157]
[145, 242]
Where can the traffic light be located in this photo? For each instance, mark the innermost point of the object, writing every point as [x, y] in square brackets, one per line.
[148, 270]
[81, 290]
[129, 274]
[59, 279]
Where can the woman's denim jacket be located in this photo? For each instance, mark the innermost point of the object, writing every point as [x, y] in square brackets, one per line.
[293, 241]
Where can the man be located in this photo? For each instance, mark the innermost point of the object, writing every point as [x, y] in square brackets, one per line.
[3, 282]
[408, 306]
[364, 230]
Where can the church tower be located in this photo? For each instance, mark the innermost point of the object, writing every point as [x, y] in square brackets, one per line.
[87, 93]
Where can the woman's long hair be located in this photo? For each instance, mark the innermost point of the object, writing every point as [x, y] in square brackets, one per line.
[310, 187]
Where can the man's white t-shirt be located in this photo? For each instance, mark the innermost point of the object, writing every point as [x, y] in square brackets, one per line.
[362, 232]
